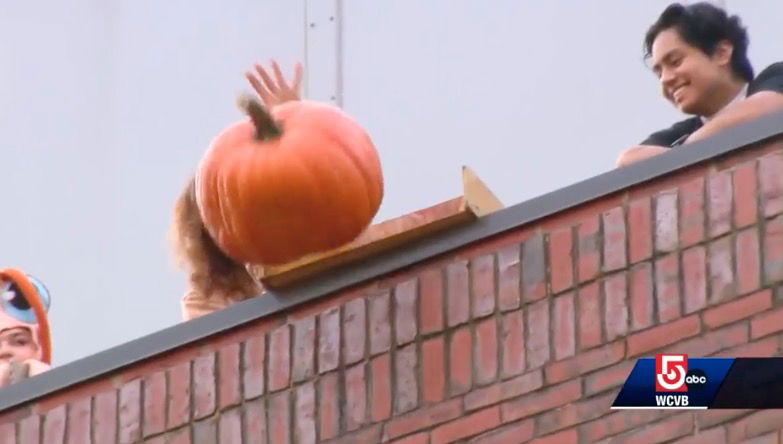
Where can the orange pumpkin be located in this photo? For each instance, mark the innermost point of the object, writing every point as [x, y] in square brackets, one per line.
[302, 179]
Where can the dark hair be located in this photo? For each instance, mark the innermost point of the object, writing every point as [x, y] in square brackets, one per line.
[704, 25]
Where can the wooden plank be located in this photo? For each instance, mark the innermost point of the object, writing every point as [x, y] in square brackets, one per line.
[475, 201]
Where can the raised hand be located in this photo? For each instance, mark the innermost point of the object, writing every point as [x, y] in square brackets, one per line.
[274, 90]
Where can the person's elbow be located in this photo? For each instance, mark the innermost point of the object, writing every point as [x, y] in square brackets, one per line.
[637, 153]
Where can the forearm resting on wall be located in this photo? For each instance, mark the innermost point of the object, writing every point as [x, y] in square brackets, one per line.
[638, 153]
[755, 106]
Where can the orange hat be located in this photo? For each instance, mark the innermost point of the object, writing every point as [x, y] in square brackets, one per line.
[24, 302]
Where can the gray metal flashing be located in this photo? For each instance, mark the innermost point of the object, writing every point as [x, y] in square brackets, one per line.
[275, 302]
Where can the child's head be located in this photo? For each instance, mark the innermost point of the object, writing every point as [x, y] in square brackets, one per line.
[18, 344]
[20, 332]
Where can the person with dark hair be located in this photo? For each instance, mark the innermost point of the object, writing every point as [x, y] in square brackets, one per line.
[700, 55]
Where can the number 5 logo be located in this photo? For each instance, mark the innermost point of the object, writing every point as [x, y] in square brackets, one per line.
[670, 372]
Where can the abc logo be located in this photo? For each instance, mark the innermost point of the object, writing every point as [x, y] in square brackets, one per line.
[696, 379]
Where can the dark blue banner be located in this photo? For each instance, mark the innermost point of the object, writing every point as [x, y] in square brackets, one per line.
[675, 381]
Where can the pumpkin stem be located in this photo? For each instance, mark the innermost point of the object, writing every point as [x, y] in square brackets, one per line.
[266, 128]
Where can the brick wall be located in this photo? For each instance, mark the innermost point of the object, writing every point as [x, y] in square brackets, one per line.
[526, 336]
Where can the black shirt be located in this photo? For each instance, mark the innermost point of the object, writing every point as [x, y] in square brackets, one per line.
[771, 79]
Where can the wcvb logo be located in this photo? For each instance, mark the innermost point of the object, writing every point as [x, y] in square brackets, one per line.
[670, 373]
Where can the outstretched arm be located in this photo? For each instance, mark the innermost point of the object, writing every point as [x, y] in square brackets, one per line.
[274, 89]
[755, 106]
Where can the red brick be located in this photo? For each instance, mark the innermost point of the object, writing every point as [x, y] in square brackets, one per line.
[561, 260]
[521, 431]
[354, 327]
[53, 428]
[279, 358]
[667, 284]
[328, 406]
[756, 424]
[8, 433]
[129, 412]
[280, 417]
[405, 311]
[230, 426]
[542, 400]
[766, 323]
[303, 366]
[694, 270]
[640, 229]
[380, 369]
[204, 385]
[254, 413]
[565, 326]
[505, 390]
[431, 301]
[80, 411]
[467, 426]
[105, 419]
[460, 352]
[616, 308]
[585, 362]
[537, 347]
[380, 327]
[564, 437]
[433, 369]
[608, 378]
[758, 349]
[719, 192]
[710, 418]
[513, 337]
[641, 296]
[205, 432]
[721, 270]
[712, 341]
[663, 335]
[771, 181]
[485, 355]
[745, 194]
[482, 269]
[29, 430]
[533, 269]
[406, 387]
[666, 222]
[589, 316]
[749, 256]
[589, 261]
[304, 419]
[154, 405]
[616, 423]
[422, 418]
[715, 435]
[668, 429]
[365, 435]
[738, 309]
[692, 219]
[773, 250]
[458, 308]
[419, 438]
[253, 367]
[355, 397]
[574, 413]
[509, 283]
[329, 340]
[228, 362]
[614, 239]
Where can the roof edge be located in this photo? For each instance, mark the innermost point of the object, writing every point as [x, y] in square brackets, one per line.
[345, 276]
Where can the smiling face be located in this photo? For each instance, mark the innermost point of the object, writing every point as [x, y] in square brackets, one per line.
[694, 82]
